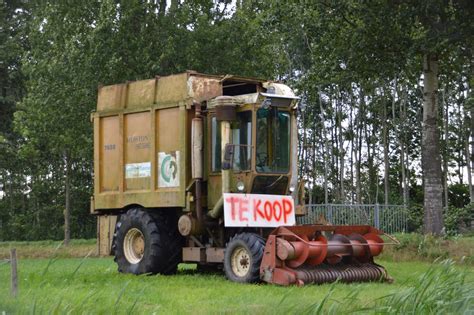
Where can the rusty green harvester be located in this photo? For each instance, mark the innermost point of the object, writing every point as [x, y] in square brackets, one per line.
[202, 169]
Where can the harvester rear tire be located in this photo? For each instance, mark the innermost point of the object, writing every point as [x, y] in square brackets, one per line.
[242, 258]
[159, 247]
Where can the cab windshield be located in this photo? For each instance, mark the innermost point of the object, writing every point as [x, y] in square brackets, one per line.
[242, 141]
[273, 141]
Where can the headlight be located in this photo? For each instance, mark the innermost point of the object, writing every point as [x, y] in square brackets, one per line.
[292, 188]
[240, 186]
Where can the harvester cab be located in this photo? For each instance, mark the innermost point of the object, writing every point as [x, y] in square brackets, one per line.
[203, 169]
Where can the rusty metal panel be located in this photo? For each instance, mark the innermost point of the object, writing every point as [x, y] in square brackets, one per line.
[214, 189]
[197, 254]
[201, 254]
[105, 231]
[172, 88]
[168, 154]
[215, 254]
[201, 88]
[141, 93]
[111, 97]
[96, 122]
[109, 158]
[167, 126]
[137, 161]
[187, 121]
[148, 121]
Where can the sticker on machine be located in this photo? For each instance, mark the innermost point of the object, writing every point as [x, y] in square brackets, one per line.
[254, 210]
[138, 170]
[168, 169]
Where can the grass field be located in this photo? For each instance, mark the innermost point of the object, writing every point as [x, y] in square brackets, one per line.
[92, 285]
[47, 249]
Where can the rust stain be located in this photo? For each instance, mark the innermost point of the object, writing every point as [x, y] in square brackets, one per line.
[204, 89]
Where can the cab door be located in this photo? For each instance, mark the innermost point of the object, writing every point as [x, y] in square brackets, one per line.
[214, 189]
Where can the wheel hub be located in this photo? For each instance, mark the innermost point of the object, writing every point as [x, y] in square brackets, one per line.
[134, 245]
[240, 260]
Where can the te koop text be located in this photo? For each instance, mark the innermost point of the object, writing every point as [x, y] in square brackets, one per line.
[253, 210]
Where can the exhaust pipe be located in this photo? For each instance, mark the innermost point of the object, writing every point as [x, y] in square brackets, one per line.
[196, 159]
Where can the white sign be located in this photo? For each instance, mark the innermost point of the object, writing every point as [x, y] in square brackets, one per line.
[168, 171]
[258, 210]
[138, 170]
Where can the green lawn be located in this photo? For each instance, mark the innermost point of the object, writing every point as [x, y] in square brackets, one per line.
[44, 249]
[92, 285]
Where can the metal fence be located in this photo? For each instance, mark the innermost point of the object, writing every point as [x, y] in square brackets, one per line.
[389, 218]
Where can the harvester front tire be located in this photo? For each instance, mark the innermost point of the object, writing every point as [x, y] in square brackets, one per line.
[243, 255]
[143, 244]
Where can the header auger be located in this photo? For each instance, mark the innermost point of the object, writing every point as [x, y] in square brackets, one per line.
[202, 169]
[321, 253]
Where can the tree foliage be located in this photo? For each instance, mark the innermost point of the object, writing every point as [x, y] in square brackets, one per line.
[356, 65]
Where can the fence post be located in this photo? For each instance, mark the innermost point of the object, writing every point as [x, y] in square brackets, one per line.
[330, 214]
[14, 274]
[377, 216]
[405, 219]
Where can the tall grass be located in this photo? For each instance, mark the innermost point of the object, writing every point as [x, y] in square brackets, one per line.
[429, 248]
[440, 290]
[92, 286]
[46, 249]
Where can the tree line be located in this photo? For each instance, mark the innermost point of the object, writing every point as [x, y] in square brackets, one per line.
[386, 112]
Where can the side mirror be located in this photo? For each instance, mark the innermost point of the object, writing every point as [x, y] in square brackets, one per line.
[228, 156]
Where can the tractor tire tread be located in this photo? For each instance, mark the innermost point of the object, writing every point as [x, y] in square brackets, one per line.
[255, 245]
[163, 253]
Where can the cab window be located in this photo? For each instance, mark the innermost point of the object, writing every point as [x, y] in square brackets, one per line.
[215, 145]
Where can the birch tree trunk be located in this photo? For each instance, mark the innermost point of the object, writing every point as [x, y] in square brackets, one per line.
[373, 166]
[401, 140]
[466, 132]
[67, 209]
[303, 158]
[351, 128]
[470, 159]
[313, 163]
[385, 155]
[471, 189]
[334, 173]
[445, 149]
[369, 163]
[359, 147]
[469, 169]
[431, 161]
[341, 151]
[325, 148]
[461, 150]
[386, 162]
